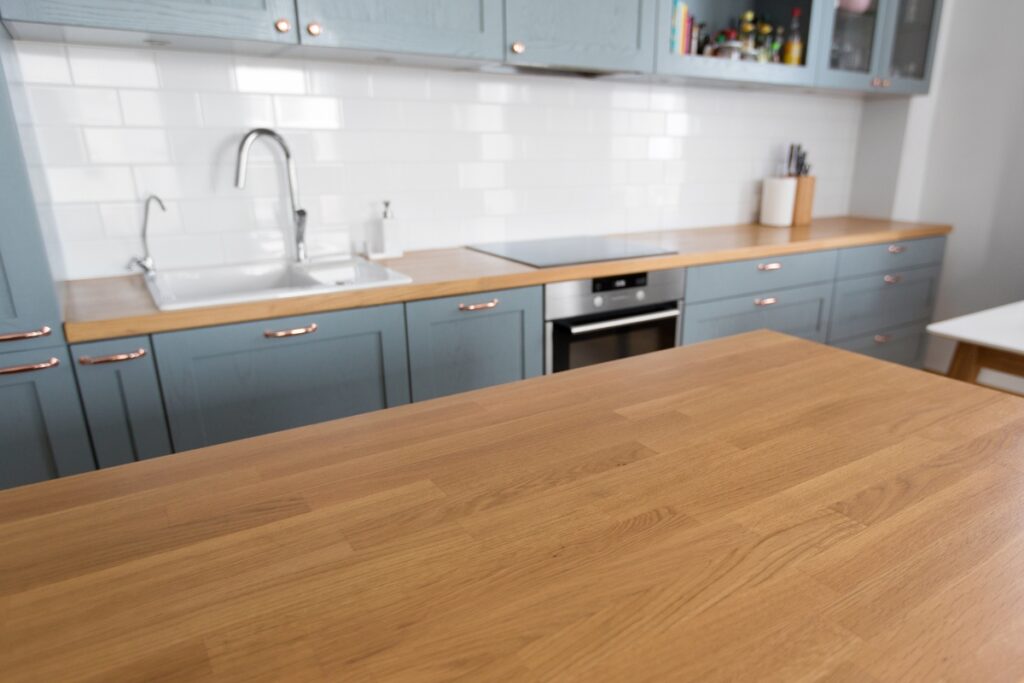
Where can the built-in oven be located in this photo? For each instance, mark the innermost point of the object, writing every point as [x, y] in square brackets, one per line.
[593, 321]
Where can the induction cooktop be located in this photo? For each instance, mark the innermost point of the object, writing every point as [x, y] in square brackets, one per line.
[567, 251]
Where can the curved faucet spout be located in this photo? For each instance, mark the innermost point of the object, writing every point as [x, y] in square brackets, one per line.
[298, 215]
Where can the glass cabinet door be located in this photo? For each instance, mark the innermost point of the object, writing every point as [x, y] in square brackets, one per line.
[913, 30]
[855, 34]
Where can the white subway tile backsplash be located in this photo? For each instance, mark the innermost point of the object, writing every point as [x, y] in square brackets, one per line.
[126, 145]
[117, 67]
[69, 184]
[43, 63]
[464, 157]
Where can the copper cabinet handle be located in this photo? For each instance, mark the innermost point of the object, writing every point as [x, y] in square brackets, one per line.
[115, 358]
[282, 25]
[769, 266]
[278, 334]
[43, 331]
[886, 83]
[518, 47]
[767, 301]
[896, 249]
[893, 279]
[876, 82]
[883, 338]
[314, 29]
[31, 367]
[493, 303]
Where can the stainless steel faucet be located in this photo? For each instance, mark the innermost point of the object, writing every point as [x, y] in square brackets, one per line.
[298, 215]
[146, 262]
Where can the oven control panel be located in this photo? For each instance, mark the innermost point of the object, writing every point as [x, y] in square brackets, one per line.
[584, 297]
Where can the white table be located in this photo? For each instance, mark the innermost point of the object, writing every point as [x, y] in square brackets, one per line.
[991, 339]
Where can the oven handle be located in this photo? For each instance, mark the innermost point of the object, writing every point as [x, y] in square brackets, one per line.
[624, 322]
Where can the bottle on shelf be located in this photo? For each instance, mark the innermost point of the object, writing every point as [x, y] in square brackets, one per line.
[793, 50]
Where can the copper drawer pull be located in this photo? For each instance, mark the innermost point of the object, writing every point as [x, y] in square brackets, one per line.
[883, 338]
[767, 301]
[493, 303]
[271, 334]
[31, 367]
[893, 279]
[43, 331]
[769, 266]
[115, 358]
[896, 249]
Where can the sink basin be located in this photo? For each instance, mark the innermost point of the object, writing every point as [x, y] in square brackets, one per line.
[217, 285]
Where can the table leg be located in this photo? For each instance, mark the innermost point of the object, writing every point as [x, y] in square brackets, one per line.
[965, 365]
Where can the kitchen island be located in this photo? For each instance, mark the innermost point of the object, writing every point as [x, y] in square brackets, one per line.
[755, 507]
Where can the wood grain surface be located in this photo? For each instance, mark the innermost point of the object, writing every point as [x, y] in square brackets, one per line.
[106, 308]
[754, 508]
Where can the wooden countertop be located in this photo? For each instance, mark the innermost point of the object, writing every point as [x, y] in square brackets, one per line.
[757, 507]
[107, 308]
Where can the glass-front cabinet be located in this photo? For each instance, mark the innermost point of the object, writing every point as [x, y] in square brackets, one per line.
[884, 46]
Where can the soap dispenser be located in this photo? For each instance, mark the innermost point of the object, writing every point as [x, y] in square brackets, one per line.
[389, 240]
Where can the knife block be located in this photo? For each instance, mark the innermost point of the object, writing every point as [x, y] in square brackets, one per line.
[804, 204]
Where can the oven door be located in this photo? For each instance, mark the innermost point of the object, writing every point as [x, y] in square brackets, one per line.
[579, 342]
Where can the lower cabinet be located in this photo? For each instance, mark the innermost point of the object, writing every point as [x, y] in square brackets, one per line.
[903, 345]
[876, 302]
[801, 311]
[42, 431]
[235, 381]
[468, 342]
[121, 397]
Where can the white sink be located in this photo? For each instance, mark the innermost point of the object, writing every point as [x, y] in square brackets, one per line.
[217, 285]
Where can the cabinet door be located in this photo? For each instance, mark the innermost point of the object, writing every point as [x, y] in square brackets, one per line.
[877, 302]
[597, 35]
[121, 397]
[235, 19]
[470, 29]
[42, 431]
[911, 38]
[721, 14]
[29, 314]
[802, 312]
[890, 257]
[854, 44]
[467, 342]
[235, 381]
[903, 345]
[726, 280]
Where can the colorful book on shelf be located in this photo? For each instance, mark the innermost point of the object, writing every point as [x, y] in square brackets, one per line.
[680, 21]
[689, 32]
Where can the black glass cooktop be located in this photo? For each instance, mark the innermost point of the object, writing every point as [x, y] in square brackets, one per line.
[567, 251]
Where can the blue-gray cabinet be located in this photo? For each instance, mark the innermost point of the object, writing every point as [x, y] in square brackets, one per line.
[42, 431]
[875, 302]
[800, 311]
[904, 345]
[469, 29]
[257, 20]
[121, 396]
[234, 381]
[468, 342]
[590, 35]
[30, 316]
[725, 280]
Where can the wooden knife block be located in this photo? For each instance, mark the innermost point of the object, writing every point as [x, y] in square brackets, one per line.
[804, 201]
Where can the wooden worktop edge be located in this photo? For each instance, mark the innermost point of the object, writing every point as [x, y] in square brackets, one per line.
[168, 321]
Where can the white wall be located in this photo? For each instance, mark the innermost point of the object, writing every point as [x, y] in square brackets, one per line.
[961, 159]
[463, 156]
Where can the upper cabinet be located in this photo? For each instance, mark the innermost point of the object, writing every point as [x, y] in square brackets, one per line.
[589, 35]
[260, 20]
[880, 45]
[912, 37]
[30, 316]
[711, 39]
[469, 29]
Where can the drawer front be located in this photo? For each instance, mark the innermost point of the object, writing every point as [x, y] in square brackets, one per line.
[903, 345]
[877, 302]
[802, 312]
[122, 401]
[726, 280]
[469, 342]
[893, 256]
[235, 381]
